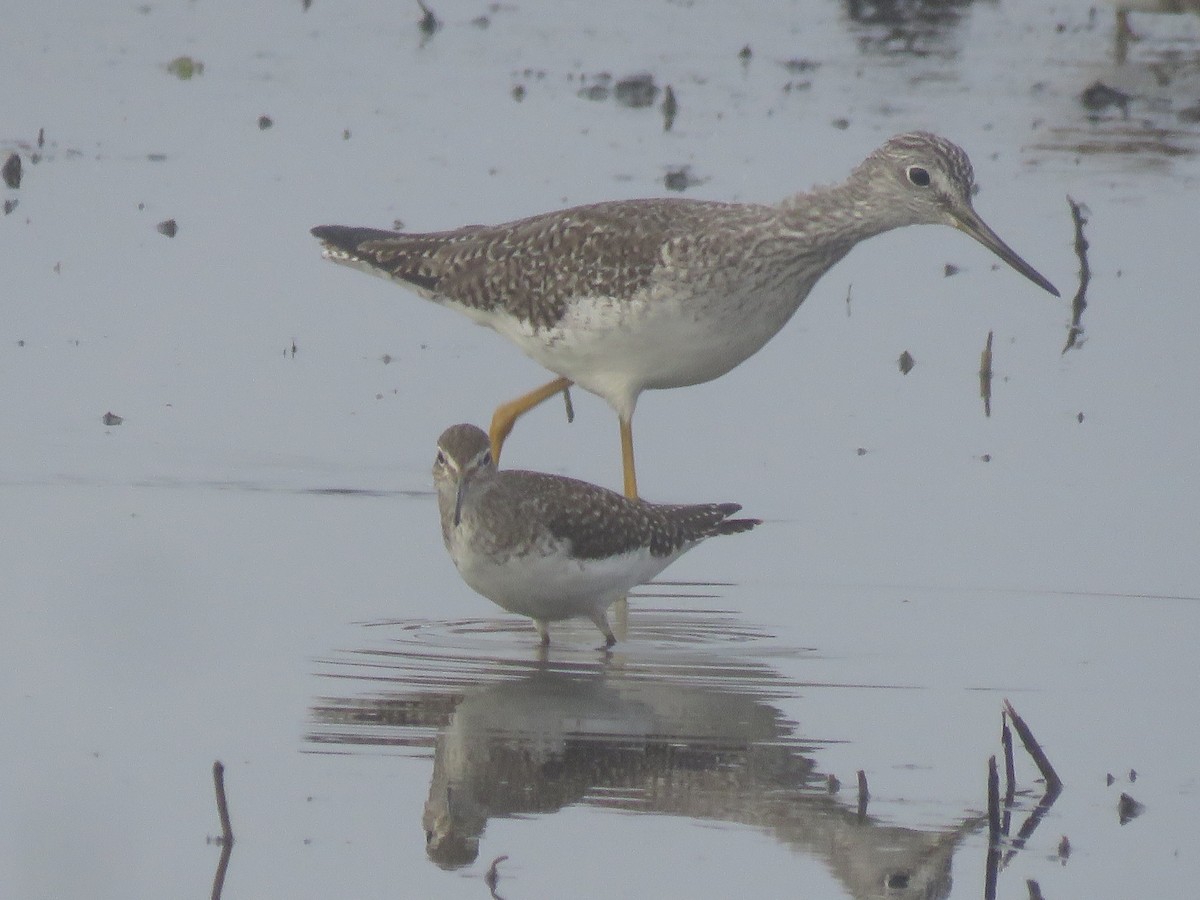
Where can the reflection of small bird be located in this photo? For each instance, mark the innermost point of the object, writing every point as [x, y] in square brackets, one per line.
[551, 547]
[633, 295]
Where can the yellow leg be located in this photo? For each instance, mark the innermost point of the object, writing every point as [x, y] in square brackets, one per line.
[507, 414]
[627, 458]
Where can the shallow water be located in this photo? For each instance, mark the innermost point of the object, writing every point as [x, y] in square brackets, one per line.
[248, 568]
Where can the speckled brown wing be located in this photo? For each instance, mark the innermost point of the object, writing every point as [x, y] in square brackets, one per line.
[530, 267]
[600, 523]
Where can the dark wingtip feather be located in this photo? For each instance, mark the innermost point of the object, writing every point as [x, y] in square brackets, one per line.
[348, 238]
[736, 526]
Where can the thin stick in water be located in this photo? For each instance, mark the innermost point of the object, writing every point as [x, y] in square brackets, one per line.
[1053, 782]
[222, 806]
[1010, 770]
[1079, 304]
[993, 800]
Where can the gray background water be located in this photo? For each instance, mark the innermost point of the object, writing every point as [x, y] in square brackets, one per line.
[249, 566]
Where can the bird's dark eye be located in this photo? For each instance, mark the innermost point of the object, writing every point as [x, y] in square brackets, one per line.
[487, 458]
[918, 176]
[441, 459]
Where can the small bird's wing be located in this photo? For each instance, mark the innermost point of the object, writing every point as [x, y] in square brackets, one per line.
[599, 522]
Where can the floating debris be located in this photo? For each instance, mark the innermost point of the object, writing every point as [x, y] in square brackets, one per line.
[637, 91]
[796, 66]
[111, 418]
[184, 67]
[1064, 849]
[1128, 809]
[518, 92]
[1098, 97]
[745, 54]
[669, 108]
[906, 362]
[12, 171]
[985, 376]
[168, 227]
[599, 87]
[841, 124]
[265, 122]
[429, 23]
[950, 269]
[680, 179]
[10, 205]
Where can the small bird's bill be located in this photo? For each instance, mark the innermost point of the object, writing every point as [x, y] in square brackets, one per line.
[974, 226]
[458, 501]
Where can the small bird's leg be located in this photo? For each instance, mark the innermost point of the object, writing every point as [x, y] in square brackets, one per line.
[601, 621]
[543, 632]
[506, 415]
[570, 406]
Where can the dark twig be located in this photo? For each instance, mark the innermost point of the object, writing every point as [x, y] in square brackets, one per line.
[1053, 782]
[991, 872]
[1035, 891]
[1010, 773]
[226, 838]
[492, 877]
[222, 806]
[1010, 770]
[1079, 304]
[993, 801]
[863, 795]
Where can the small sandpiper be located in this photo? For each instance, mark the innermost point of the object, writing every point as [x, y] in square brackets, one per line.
[551, 547]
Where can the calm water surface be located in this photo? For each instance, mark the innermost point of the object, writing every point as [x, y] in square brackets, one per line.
[248, 567]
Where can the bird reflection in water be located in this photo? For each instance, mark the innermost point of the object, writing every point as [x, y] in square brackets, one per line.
[687, 737]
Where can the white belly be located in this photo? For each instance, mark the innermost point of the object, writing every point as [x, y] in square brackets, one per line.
[555, 587]
[660, 339]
